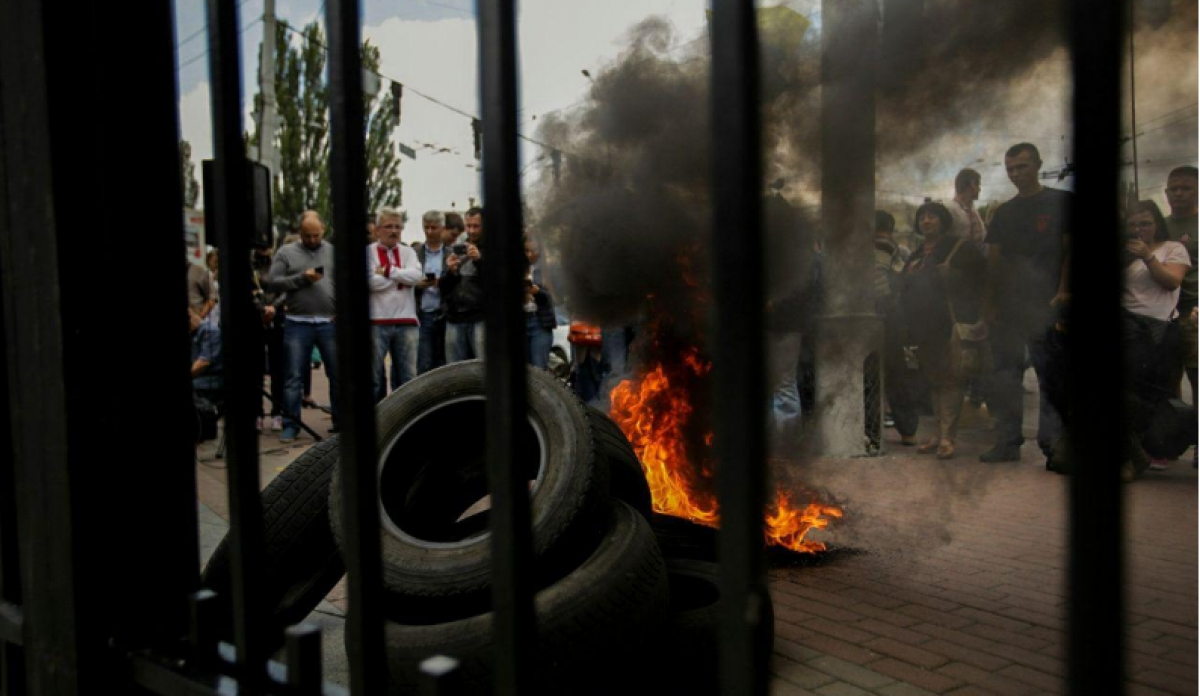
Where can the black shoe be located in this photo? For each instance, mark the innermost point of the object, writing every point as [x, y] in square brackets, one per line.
[1002, 453]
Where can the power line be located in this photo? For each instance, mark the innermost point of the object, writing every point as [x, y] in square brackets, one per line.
[203, 53]
[200, 31]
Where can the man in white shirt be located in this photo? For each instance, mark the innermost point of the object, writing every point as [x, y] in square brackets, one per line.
[967, 222]
[394, 270]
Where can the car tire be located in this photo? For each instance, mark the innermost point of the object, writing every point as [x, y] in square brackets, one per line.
[433, 489]
[302, 562]
[595, 627]
[628, 479]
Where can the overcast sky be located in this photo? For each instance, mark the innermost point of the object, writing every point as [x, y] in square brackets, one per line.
[431, 47]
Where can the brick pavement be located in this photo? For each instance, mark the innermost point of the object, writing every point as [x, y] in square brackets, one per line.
[956, 583]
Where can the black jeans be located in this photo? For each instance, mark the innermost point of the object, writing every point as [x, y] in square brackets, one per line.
[1010, 339]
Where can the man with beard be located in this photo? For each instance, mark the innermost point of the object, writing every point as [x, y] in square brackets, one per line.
[464, 294]
[1026, 288]
[300, 269]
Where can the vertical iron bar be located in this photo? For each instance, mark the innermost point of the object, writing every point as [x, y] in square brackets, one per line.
[12, 668]
[1097, 420]
[739, 357]
[505, 371]
[355, 353]
[201, 636]
[241, 353]
[303, 652]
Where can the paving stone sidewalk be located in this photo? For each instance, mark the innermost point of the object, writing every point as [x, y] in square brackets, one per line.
[951, 577]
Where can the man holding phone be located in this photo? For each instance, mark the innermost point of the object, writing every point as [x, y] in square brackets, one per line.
[462, 288]
[394, 271]
[433, 256]
[299, 271]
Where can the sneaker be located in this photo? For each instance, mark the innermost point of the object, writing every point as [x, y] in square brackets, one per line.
[889, 422]
[276, 423]
[258, 424]
[289, 434]
[1001, 453]
[1157, 464]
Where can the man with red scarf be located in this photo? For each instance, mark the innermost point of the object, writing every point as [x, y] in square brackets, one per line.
[394, 271]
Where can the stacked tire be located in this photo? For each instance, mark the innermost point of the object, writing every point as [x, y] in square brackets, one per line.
[607, 604]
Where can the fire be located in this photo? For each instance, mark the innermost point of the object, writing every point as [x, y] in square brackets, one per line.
[654, 413]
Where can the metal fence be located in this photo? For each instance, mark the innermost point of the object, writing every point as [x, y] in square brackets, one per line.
[98, 564]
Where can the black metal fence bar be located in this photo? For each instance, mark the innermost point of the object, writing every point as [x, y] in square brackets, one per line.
[1096, 418]
[242, 356]
[739, 358]
[355, 351]
[505, 350]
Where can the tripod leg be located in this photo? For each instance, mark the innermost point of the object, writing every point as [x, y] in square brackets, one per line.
[299, 421]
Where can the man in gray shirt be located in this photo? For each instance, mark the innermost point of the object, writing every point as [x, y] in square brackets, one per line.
[304, 271]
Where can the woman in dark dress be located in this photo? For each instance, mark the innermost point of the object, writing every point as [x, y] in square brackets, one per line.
[941, 285]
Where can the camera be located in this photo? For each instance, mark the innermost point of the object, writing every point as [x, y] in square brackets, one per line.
[320, 269]
[460, 249]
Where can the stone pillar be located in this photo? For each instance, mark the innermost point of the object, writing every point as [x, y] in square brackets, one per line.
[849, 331]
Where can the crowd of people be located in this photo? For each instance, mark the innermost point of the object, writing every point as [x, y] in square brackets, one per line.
[975, 303]
[426, 309]
[966, 311]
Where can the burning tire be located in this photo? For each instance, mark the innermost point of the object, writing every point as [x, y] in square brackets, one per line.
[689, 652]
[625, 471]
[684, 539]
[303, 562]
[595, 626]
[434, 496]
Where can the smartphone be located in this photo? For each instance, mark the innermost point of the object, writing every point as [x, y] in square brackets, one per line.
[431, 277]
[528, 283]
[320, 269]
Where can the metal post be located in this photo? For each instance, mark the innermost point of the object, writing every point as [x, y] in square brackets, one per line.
[355, 352]
[740, 354]
[505, 371]
[1096, 417]
[242, 354]
[850, 330]
[266, 80]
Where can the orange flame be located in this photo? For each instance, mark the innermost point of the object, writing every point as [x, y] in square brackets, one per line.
[653, 415]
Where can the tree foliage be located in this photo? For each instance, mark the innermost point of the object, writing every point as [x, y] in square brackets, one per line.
[187, 175]
[302, 130]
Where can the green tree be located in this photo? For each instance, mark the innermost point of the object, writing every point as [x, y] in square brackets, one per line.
[302, 128]
[302, 135]
[187, 178]
[383, 163]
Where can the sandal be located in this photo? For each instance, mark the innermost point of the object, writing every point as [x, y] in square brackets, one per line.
[930, 446]
[945, 450]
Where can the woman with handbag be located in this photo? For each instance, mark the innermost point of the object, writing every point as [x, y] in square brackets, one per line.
[1154, 270]
[941, 289]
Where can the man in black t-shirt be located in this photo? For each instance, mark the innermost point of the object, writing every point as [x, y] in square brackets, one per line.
[1027, 261]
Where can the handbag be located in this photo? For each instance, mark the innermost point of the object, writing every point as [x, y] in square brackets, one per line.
[968, 342]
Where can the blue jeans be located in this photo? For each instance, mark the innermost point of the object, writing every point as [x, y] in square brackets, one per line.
[464, 341]
[539, 340]
[298, 341]
[400, 342]
[431, 351]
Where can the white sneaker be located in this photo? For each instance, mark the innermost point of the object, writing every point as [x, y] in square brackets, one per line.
[277, 423]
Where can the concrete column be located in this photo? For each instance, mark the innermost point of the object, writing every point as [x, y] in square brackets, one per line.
[849, 331]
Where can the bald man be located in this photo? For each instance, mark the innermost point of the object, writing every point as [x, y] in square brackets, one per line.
[304, 270]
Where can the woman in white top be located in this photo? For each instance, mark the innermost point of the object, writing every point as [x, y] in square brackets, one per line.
[1154, 271]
